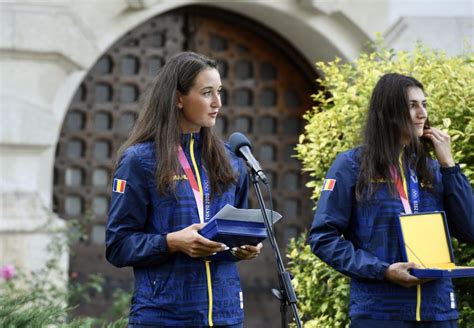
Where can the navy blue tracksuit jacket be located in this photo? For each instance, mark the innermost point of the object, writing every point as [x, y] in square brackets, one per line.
[360, 240]
[171, 289]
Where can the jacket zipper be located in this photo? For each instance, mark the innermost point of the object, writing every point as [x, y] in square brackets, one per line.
[418, 287]
[206, 263]
[418, 302]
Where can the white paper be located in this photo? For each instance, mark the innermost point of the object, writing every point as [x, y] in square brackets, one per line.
[229, 212]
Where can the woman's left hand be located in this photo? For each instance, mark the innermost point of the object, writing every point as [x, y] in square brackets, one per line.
[441, 142]
[247, 252]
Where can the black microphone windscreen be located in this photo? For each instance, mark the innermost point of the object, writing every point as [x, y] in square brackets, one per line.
[238, 140]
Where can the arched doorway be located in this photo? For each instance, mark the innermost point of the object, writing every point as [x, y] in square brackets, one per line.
[267, 87]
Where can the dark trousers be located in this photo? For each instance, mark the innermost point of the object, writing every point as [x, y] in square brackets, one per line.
[370, 323]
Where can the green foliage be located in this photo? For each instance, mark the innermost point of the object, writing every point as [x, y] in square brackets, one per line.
[14, 312]
[334, 125]
[33, 305]
[120, 307]
[464, 254]
[323, 293]
[81, 292]
[35, 299]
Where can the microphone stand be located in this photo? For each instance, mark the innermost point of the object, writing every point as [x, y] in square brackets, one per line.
[286, 294]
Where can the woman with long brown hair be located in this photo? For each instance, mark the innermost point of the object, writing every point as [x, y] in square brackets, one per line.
[172, 176]
[355, 225]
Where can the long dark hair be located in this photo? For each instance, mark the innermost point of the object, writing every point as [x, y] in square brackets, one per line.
[158, 122]
[389, 120]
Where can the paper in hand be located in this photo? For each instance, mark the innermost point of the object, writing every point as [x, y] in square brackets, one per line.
[229, 212]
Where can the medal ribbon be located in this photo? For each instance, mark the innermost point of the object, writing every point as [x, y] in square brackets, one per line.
[401, 189]
[202, 203]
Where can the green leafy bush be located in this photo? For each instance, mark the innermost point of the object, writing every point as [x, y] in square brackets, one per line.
[36, 299]
[334, 125]
[323, 293]
[43, 304]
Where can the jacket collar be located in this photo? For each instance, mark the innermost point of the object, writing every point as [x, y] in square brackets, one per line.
[186, 139]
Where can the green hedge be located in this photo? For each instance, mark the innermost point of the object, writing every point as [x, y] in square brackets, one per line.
[334, 125]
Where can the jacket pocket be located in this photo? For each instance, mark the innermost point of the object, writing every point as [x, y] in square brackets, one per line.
[153, 281]
[157, 280]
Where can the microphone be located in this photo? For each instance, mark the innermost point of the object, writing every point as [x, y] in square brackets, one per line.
[242, 147]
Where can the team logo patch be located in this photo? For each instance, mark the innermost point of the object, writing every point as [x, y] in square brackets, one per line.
[329, 184]
[119, 185]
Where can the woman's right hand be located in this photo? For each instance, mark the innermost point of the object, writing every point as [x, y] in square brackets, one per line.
[190, 242]
[442, 146]
[398, 274]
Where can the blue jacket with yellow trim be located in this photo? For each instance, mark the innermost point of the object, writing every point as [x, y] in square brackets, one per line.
[170, 289]
[361, 240]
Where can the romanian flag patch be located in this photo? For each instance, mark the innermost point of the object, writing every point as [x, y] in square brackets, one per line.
[119, 185]
[329, 184]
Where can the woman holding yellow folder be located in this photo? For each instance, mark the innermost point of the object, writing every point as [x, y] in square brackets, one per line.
[355, 225]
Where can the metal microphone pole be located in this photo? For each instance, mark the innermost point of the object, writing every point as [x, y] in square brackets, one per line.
[286, 294]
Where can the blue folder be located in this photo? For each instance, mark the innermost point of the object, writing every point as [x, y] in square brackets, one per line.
[234, 233]
[236, 227]
[425, 240]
